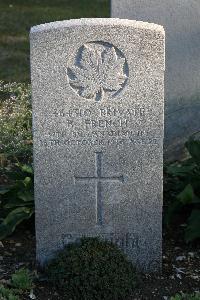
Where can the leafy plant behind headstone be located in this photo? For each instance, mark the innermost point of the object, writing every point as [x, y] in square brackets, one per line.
[17, 201]
[16, 121]
[185, 190]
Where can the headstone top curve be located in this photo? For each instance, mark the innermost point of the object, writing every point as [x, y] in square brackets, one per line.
[96, 22]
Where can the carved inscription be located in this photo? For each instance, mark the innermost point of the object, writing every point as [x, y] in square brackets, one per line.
[103, 126]
[124, 241]
[98, 179]
[99, 142]
[106, 111]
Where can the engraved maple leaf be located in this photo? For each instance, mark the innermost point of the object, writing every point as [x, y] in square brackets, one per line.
[98, 71]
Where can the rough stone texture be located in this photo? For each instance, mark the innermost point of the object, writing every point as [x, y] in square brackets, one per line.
[181, 20]
[98, 88]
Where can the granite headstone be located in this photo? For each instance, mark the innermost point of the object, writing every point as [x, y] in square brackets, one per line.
[97, 89]
[181, 20]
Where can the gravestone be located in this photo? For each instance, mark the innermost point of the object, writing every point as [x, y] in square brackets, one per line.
[181, 20]
[97, 88]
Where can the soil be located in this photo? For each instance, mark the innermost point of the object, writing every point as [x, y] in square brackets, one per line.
[181, 267]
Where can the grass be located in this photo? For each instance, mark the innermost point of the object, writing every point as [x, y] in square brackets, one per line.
[21, 281]
[16, 18]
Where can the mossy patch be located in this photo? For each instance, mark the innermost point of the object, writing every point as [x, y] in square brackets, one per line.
[92, 270]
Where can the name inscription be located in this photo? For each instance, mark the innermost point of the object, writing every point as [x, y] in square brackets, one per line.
[106, 117]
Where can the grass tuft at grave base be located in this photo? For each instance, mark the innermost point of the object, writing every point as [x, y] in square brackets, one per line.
[92, 270]
[16, 18]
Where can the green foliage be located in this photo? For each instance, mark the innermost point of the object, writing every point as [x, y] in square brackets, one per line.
[22, 280]
[7, 294]
[192, 231]
[16, 121]
[195, 296]
[92, 270]
[185, 190]
[17, 201]
[16, 19]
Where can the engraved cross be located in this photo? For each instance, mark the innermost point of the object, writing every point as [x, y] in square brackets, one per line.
[99, 179]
